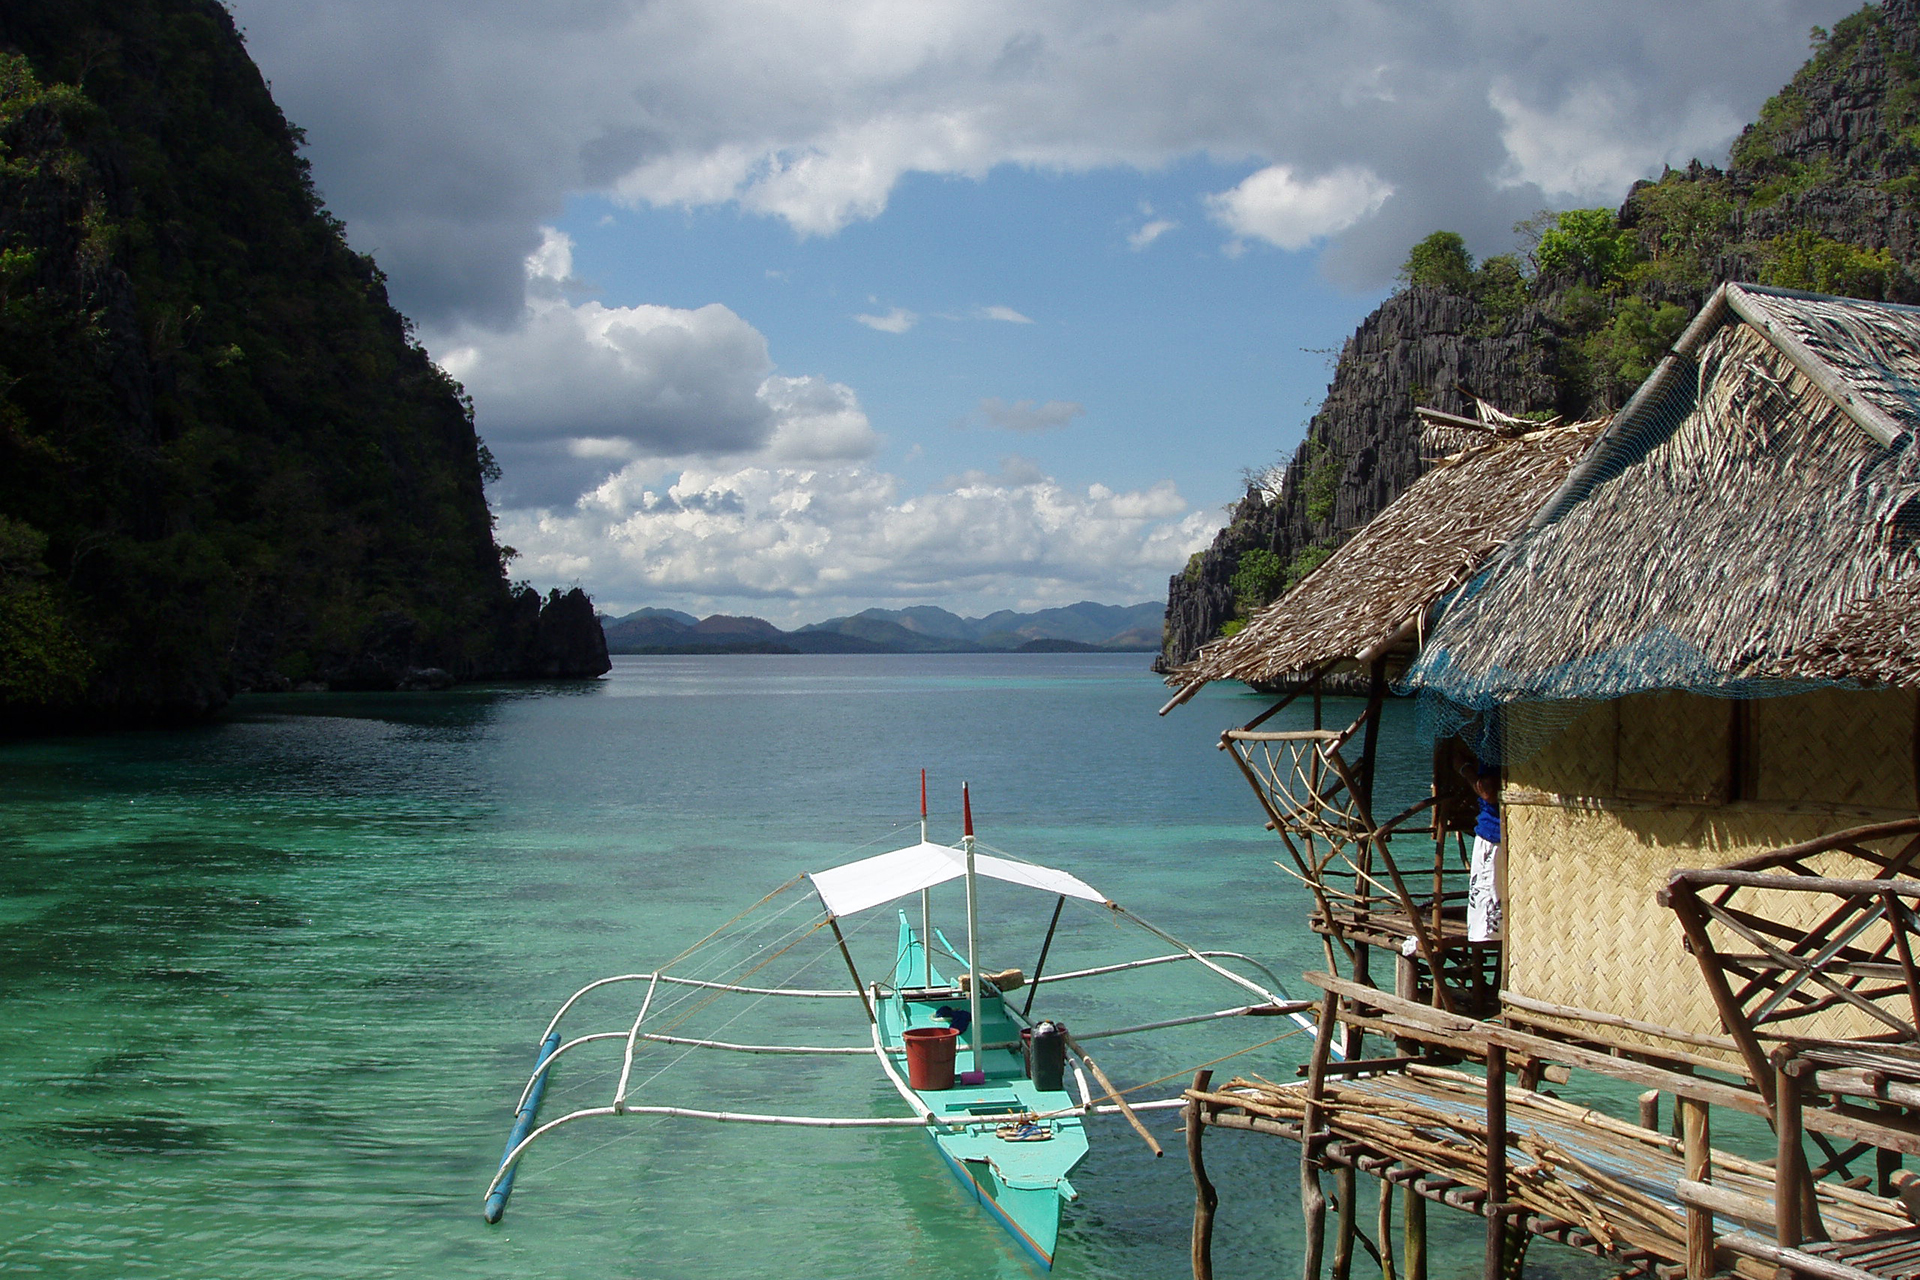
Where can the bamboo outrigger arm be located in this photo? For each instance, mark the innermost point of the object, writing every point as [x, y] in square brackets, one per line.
[673, 980]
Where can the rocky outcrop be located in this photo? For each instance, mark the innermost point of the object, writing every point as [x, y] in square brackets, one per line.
[225, 463]
[1422, 347]
[567, 641]
[1822, 192]
[1835, 152]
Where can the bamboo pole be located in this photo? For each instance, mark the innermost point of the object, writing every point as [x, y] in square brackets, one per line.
[1040, 965]
[1788, 1157]
[1313, 1199]
[840, 939]
[1496, 1162]
[1414, 1211]
[1113, 1092]
[1697, 1155]
[1345, 1224]
[1205, 1198]
[1383, 1230]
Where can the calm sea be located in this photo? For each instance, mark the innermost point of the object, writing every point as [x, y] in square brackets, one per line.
[270, 987]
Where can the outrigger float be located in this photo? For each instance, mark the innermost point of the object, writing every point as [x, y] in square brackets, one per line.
[978, 1074]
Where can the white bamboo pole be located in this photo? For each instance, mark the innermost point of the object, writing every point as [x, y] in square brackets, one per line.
[926, 896]
[927, 1121]
[973, 932]
[913, 1100]
[802, 992]
[1172, 959]
[633, 1036]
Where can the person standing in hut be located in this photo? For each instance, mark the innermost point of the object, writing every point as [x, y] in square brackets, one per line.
[1483, 869]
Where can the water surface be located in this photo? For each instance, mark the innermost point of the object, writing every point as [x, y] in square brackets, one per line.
[271, 986]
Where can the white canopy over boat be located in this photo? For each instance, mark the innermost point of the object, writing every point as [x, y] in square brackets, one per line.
[887, 876]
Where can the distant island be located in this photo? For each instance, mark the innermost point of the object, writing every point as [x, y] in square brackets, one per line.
[1077, 628]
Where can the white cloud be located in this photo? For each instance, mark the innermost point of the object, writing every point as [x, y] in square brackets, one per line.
[1006, 314]
[575, 388]
[445, 131]
[1028, 417]
[1275, 206]
[832, 533]
[897, 320]
[1150, 232]
[1596, 139]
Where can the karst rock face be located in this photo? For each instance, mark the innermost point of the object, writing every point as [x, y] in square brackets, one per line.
[1835, 151]
[1421, 347]
[225, 461]
[1821, 192]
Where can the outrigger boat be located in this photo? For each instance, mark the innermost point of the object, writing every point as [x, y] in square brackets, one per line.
[994, 1103]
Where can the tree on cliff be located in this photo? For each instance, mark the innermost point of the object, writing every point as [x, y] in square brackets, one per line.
[223, 457]
[1822, 193]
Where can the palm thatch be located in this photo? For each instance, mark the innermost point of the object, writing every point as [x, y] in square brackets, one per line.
[1875, 642]
[1373, 590]
[1744, 521]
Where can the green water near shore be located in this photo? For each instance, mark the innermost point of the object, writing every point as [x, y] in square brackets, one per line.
[270, 987]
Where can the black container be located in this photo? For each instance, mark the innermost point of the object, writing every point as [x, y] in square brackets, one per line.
[1047, 1057]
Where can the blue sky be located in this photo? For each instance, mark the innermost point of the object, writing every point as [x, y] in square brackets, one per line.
[1187, 363]
[792, 308]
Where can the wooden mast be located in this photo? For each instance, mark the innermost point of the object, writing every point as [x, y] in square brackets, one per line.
[973, 929]
[926, 907]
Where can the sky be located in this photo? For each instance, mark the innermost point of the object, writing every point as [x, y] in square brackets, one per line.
[793, 308]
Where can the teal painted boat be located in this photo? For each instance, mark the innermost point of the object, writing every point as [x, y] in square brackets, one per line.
[986, 1082]
[1019, 1142]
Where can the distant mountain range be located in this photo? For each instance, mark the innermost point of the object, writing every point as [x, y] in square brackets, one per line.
[1083, 627]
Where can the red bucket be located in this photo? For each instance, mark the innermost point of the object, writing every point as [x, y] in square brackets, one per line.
[930, 1056]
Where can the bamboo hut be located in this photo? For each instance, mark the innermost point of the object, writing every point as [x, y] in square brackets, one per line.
[1695, 660]
[1386, 885]
[1694, 652]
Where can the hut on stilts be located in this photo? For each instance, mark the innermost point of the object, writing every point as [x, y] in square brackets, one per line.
[1687, 641]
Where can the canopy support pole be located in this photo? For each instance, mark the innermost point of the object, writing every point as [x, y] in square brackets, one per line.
[1040, 965]
[833, 922]
[926, 896]
[973, 931]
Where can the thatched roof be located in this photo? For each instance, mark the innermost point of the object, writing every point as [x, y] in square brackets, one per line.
[1746, 520]
[1367, 598]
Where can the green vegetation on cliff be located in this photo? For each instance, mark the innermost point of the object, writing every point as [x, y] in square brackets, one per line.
[1822, 193]
[224, 461]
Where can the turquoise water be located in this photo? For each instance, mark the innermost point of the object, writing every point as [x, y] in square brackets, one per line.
[271, 987]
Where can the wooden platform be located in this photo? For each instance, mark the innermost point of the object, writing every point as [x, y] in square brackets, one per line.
[1574, 1175]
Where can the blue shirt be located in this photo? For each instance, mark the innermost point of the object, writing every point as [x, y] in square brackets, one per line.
[1488, 828]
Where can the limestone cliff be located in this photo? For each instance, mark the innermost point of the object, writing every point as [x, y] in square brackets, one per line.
[224, 461]
[1821, 193]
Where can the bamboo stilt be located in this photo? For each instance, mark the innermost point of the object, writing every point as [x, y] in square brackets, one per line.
[1496, 1162]
[1344, 1187]
[1414, 1213]
[1313, 1199]
[1205, 1198]
[1697, 1155]
[1383, 1230]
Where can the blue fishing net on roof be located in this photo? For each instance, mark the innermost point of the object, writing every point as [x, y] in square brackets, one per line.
[1726, 525]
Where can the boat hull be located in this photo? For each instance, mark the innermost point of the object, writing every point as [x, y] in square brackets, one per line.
[1021, 1185]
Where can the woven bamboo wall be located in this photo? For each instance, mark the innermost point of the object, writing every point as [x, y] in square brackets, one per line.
[1588, 845]
[1837, 746]
[1582, 925]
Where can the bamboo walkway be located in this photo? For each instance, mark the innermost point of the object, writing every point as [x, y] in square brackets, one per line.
[1573, 1175]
